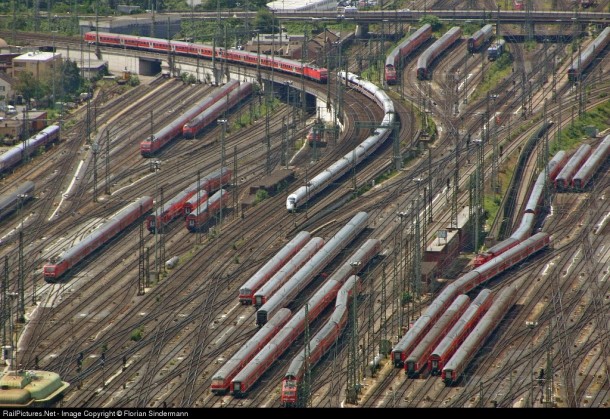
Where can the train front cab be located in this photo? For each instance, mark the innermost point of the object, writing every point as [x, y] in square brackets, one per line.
[289, 392]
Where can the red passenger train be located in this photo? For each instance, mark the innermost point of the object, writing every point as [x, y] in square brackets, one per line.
[295, 68]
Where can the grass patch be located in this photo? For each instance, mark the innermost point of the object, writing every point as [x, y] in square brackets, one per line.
[494, 74]
[571, 137]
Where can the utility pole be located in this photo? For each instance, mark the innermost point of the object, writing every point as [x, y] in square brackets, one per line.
[107, 180]
[141, 261]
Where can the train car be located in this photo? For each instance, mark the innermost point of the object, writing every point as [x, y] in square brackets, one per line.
[404, 48]
[496, 50]
[425, 60]
[211, 114]
[273, 265]
[208, 184]
[563, 181]
[518, 4]
[480, 38]
[194, 201]
[221, 380]
[303, 256]
[418, 359]
[320, 343]
[586, 57]
[286, 272]
[315, 136]
[58, 266]
[247, 377]
[169, 132]
[213, 98]
[171, 209]
[197, 219]
[454, 338]
[463, 285]
[14, 200]
[524, 229]
[457, 364]
[597, 159]
[305, 275]
[195, 50]
[303, 194]
[17, 153]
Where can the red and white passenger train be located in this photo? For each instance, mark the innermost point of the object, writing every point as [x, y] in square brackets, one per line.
[285, 65]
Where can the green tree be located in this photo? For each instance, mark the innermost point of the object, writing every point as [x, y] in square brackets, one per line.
[70, 80]
[28, 86]
[265, 22]
[433, 21]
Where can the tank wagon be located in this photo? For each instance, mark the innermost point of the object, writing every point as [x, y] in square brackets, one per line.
[417, 361]
[211, 113]
[463, 285]
[404, 48]
[221, 380]
[496, 50]
[245, 379]
[480, 38]
[563, 181]
[305, 275]
[592, 165]
[197, 219]
[426, 59]
[320, 343]
[456, 365]
[58, 266]
[454, 338]
[303, 256]
[303, 194]
[580, 64]
[12, 201]
[273, 265]
[195, 50]
[16, 154]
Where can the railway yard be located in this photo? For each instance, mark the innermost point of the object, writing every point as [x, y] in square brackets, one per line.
[394, 201]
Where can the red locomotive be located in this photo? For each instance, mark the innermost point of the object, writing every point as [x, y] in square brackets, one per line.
[404, 48]
[296, 68]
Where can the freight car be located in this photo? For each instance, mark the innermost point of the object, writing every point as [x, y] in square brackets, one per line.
[580, 63]
[480, 38]
[273, 265]
[247, 377]
[211, 114]
[200, 215]
[404, 48]
[319, 344]
[58, 266]
[234, 56]
[447, 347]
[303, 256]
[14, 200]
[221, 380]
[425, 60]
[418, 359]
[303, 194]
[16, 154]
[172, 130]
[563, 181]
[456, 365]
[496, 50]
[592, 165]
[462, 285]
[322, 258]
